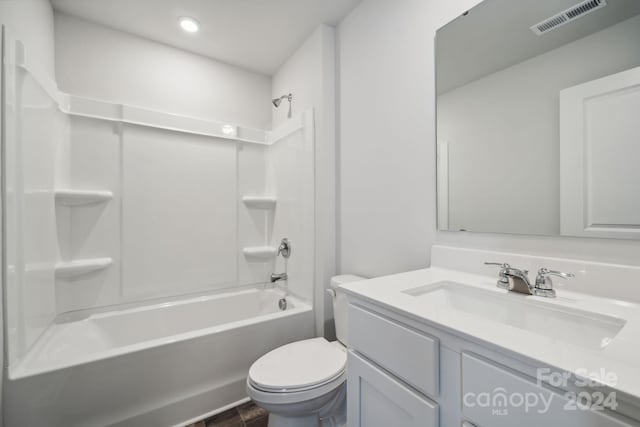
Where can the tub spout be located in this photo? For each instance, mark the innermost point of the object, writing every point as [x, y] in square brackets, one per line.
[280, 276]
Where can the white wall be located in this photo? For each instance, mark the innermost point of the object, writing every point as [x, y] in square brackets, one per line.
[523, 156]
[309, 74]
[31, 21]
[97, 62]
[386, 135]
[387, 147]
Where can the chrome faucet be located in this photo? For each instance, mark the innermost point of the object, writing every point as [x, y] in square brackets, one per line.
[519, 281]
[516, 280]
[279, 276]
[285, 250]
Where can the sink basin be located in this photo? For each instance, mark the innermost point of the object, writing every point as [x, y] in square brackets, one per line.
[533, 314]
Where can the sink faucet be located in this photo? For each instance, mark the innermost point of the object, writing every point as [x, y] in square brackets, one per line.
[279, 276]
[516, 280]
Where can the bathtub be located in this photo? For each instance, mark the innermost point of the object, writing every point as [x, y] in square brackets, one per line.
[162, 364]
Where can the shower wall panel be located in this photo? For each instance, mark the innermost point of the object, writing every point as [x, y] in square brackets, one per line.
[176, 224]
[90, 231]
[31, 248]
[290, 173]
[254, 225]
[179, 212]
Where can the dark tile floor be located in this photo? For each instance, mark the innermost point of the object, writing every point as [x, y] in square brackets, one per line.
[246, 415]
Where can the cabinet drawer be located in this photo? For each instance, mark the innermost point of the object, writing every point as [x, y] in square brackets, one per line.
[484, 384]
[408, 354]
[376, 399]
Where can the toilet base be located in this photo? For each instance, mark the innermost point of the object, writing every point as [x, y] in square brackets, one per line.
[327, 410]
[276, 420]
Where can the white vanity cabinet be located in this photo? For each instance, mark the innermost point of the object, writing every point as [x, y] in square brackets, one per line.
[404, 373]
[515, 399]
[377, 399]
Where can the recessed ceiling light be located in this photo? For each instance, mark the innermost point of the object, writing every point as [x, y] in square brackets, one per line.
[189, 25]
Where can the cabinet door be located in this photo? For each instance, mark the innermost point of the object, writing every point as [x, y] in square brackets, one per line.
[497, 397]
[418, 362]
[377, 399]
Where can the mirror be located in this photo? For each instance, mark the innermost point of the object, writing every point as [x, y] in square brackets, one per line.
[538, 118]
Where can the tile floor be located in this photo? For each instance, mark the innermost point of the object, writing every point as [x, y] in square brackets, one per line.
[246, 415]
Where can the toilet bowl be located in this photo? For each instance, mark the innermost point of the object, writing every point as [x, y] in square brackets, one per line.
[303, 384]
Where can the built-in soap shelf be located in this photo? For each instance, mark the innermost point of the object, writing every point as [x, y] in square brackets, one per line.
[71, 269]
[82, 197]
[259, 202]
[259, 253]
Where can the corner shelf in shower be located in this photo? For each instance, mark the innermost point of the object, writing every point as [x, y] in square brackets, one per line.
[259, 253]
[71, 269]
[82, 197]
[259, 202]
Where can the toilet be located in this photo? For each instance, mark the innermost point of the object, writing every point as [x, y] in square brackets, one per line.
[303, 384]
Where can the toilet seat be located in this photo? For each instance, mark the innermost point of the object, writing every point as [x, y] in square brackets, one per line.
[299, 367]
[295, 396]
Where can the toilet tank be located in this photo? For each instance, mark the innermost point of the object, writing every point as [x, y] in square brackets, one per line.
[340, 304]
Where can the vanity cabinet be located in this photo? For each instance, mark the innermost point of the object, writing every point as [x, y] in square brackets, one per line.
[409, 355]
[377, 399]
[515, 399]
[403, 373]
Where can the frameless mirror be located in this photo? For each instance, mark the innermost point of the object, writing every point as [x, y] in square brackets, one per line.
[538, 118]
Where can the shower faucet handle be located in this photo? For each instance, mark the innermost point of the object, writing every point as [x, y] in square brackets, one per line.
[285, 248]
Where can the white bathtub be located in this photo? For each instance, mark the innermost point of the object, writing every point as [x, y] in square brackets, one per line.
[163, 364]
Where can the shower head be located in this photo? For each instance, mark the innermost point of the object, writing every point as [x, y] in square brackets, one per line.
[277, 101]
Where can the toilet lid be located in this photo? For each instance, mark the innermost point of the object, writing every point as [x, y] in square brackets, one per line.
[298, 365]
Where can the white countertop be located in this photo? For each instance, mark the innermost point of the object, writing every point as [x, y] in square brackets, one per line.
[620, 357]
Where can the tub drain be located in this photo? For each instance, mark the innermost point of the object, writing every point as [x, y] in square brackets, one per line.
[282, 304]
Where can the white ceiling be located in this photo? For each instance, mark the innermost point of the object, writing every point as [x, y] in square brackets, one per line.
[495, 35]
[255, 34]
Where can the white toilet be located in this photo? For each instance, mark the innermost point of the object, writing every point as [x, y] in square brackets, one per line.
[303, 384]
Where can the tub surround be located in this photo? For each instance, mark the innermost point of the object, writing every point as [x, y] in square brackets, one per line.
[131, 280]
[80, 106]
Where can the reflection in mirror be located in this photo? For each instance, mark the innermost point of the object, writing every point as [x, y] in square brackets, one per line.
[538, 112]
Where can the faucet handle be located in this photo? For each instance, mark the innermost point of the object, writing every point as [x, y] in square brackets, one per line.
[503, 281]
[544, 273]
[544, 284]
[500, 264]
[285, 248]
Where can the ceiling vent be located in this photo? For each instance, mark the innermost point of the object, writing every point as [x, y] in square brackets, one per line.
[571, 14]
